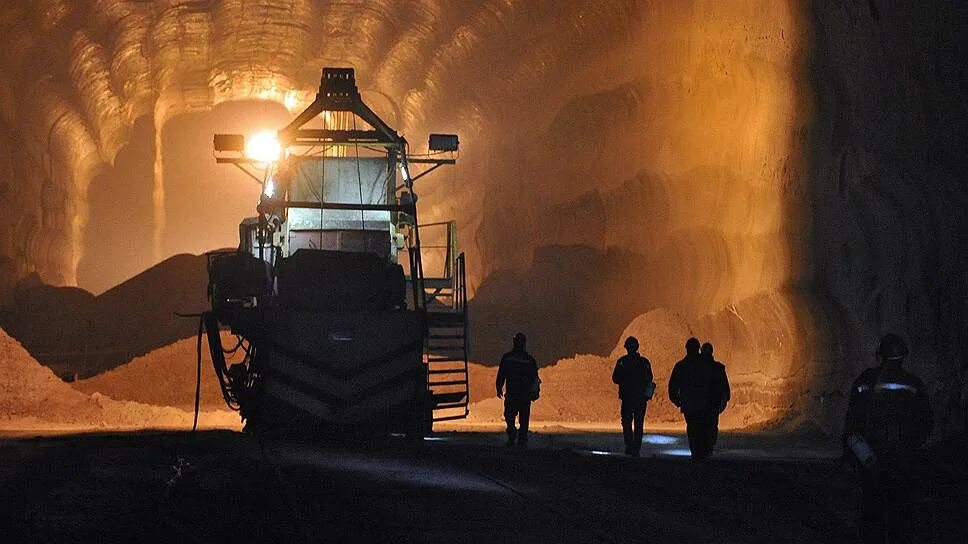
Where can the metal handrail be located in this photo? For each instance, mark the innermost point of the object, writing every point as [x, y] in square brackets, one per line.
[450, 245]
[460, 306]
[462, 296]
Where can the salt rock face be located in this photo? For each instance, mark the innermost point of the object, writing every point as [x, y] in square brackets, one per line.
[783, 175]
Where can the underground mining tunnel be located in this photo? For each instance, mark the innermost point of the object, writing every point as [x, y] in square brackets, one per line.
[783, 179]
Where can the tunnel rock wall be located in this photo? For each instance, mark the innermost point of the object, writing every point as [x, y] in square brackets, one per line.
[887, 162]
[80, 75]
[602, 140]
[676, 175]
[778, 174]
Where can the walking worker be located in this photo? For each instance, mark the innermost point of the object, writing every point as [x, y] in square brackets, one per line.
[519, 372]
[633, 374]
[692, 387]
[719, 394]
[888, 419]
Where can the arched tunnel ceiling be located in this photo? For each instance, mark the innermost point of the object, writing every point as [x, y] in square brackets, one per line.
[724, 161]
[85, 72]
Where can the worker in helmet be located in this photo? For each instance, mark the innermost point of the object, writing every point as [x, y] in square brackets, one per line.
[633, 374]
[518, 383]
[693, 387]
[888, 419]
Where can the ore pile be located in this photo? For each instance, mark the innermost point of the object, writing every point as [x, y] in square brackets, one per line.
[32, 398]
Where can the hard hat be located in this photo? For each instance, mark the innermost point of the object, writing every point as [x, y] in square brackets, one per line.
[519, 339]
[631, 343]
[692, 345]
[707, 348]
[892, 348]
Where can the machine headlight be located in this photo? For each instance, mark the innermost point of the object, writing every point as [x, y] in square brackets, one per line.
[263, 147]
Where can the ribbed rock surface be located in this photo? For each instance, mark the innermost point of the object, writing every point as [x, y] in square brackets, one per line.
[785, 176]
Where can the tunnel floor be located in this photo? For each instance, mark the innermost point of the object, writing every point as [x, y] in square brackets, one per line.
[453, 487]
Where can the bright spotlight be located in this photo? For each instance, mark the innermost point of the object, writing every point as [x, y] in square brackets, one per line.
[263, 147]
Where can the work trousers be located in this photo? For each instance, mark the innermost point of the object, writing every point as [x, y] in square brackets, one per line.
[702, 428]
[887, 508]
[633, 421]
[517, 408]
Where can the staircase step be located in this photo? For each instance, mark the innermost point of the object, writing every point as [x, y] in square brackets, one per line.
[445, 317]
[446, 336]
[439, 360]
[448, 382]
[449, 398]
[450, 405]
[449, 349]
[446, 347]
[456, 328]
[447, 371]
[451, 418]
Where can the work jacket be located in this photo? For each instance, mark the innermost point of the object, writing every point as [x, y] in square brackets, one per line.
[697, 385]
[889, 409]
[519, 371]
[719, 393]
[633, 374]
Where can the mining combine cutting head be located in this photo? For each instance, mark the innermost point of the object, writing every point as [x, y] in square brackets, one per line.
[339, 327]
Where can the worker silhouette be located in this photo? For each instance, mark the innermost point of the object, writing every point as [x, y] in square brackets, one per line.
[693, 387]
[888, 419]
[719, 392]
[633, 374]
[519, 372]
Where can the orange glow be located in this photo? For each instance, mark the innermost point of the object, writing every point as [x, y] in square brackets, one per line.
[263, 146]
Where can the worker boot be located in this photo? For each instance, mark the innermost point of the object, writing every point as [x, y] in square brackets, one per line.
[512, 434]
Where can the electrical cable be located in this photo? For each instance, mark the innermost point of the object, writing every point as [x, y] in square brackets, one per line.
[198, 371]
[321, 153]
[322, 191]
[210, 323]
[359, 183]
[232, 351]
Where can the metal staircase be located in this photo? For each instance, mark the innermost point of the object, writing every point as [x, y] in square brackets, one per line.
[444, 297]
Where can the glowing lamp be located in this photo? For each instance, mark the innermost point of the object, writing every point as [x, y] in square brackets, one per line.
[263, 147]
[269, 188]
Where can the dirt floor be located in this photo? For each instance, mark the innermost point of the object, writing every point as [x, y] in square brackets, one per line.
[460, 485]
[221, 486]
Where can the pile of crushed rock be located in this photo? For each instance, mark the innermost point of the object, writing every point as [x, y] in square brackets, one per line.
[32, 398]
[580, 389]
[164, 377]
[157, 390]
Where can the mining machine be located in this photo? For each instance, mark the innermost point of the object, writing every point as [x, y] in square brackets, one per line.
[344, 321]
